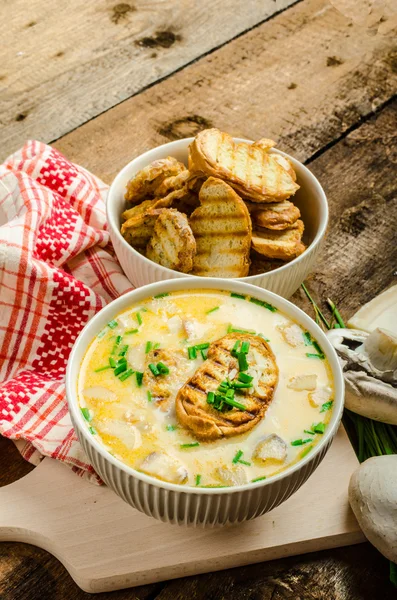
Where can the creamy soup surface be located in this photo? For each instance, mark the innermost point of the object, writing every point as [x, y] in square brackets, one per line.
[121, 408]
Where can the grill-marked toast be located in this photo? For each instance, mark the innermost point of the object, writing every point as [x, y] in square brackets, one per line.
[250, 169]
[172, 243]
[222, 229]
[138, 229]
[284, 244]
[280, 215]
[201, 418]
[148, 179]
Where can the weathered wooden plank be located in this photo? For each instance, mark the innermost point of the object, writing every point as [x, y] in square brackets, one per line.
[359, 258]
[63, 63]
[303, 78]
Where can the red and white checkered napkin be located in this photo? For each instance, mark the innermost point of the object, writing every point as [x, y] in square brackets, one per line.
[57, 269]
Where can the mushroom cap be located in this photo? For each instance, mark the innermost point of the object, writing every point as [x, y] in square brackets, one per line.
[373, 498]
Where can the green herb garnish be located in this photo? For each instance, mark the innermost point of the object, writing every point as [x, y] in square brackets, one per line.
[258, 479]
[305, 451]
[139, 318]
[154, 369]
[240, 296]
[105, 368]
[101, 334]
[192, 445]
[148, 347]
[162, 295]
[202, 346]
[311, 355]
[131, 331]
[237, 457]
[92, 430]
[212, 310]
[242, 361]
[210, 398]
[149, 396]
[171, 427]
[241, 386]
[326, 406]
[112, 324]
[120, 368]
[318, 427]
[126, 374]
[198, 479]
[232, 329]
[307, 338]
[192, 352]
[309, 432]
[86, 414]
[156, 345]
[139, 378]
[264, 304]
[123, 350]
[112, 362]
[245, 378]
[163, 369]
[235, 349]
[234, 403]
[300, 442]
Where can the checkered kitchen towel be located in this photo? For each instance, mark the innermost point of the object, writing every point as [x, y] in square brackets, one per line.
[57, 269]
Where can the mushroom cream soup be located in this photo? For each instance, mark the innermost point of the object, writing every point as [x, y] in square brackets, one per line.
[205, 388]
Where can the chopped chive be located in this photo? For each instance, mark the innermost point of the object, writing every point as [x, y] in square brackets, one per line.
[258, 479]
[112, 324]
[212, 310]
[245, 346]
[164, 370]
[120, 368]
[162, 295]
[210, 398]
[148, 347]
[139, 318]
[118, 340]
[244, 462]
[318, 427]
[123, 350]
[86, 414]
[264, 304]
[245, 378]
[202, 346]
[139, 378]
[192, 445]
[237, 457]
[112, 362]
[326, 406]
[126, 374]
[131, 331]
[232, 329]
[230, 393]
[318, 348]
[305, 451]
[171, 427]
[300, 442]
[311, 355]
[101, 334]
[234, 295]
[242, 362]
[192, 352]
[156, 345]
[234, 403]
[235, 349]
[241, 386]
[307, 338]
[198, 479]
[121, 360]
[203, 355]
[336, 314]
[149, 396]
[154, 370]
[309, 432]
[102, 369]
[92, 430]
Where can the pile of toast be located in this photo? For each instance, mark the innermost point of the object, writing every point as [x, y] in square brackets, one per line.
[228, 214]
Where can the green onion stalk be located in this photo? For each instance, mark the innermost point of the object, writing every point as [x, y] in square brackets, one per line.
[368, 437]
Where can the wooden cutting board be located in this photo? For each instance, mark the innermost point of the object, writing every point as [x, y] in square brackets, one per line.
[107, 545]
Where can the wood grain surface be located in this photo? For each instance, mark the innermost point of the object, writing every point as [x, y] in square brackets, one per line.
[63, 63]
[304, 78]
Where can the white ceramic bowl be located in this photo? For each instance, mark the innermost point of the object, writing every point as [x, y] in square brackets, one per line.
[285, 280]
[174, 503]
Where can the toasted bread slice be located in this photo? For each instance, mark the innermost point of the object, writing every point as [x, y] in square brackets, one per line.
[161, 387]
[173, 183]
[147, 205]
[138, 229]
[250, 169]
[202, 419]
[222, 229]
[172, 244]
[145, 182]
[280, 215]
[284, 244]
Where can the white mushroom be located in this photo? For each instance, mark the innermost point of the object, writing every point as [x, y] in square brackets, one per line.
[271, 449]
[292, 334]
[231, 476]
[381, 311]
[165, 467]
[303, 382]
[98, 392]
[373, 498]
[369, 362]
[320, 396]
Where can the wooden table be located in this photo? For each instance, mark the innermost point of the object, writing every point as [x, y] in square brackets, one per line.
[104, 82]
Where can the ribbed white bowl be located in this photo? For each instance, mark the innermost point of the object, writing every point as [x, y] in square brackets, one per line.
[285, 280]
[189, 505]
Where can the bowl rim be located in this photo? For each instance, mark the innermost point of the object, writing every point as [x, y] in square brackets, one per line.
[111, 214]
[116, 306]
